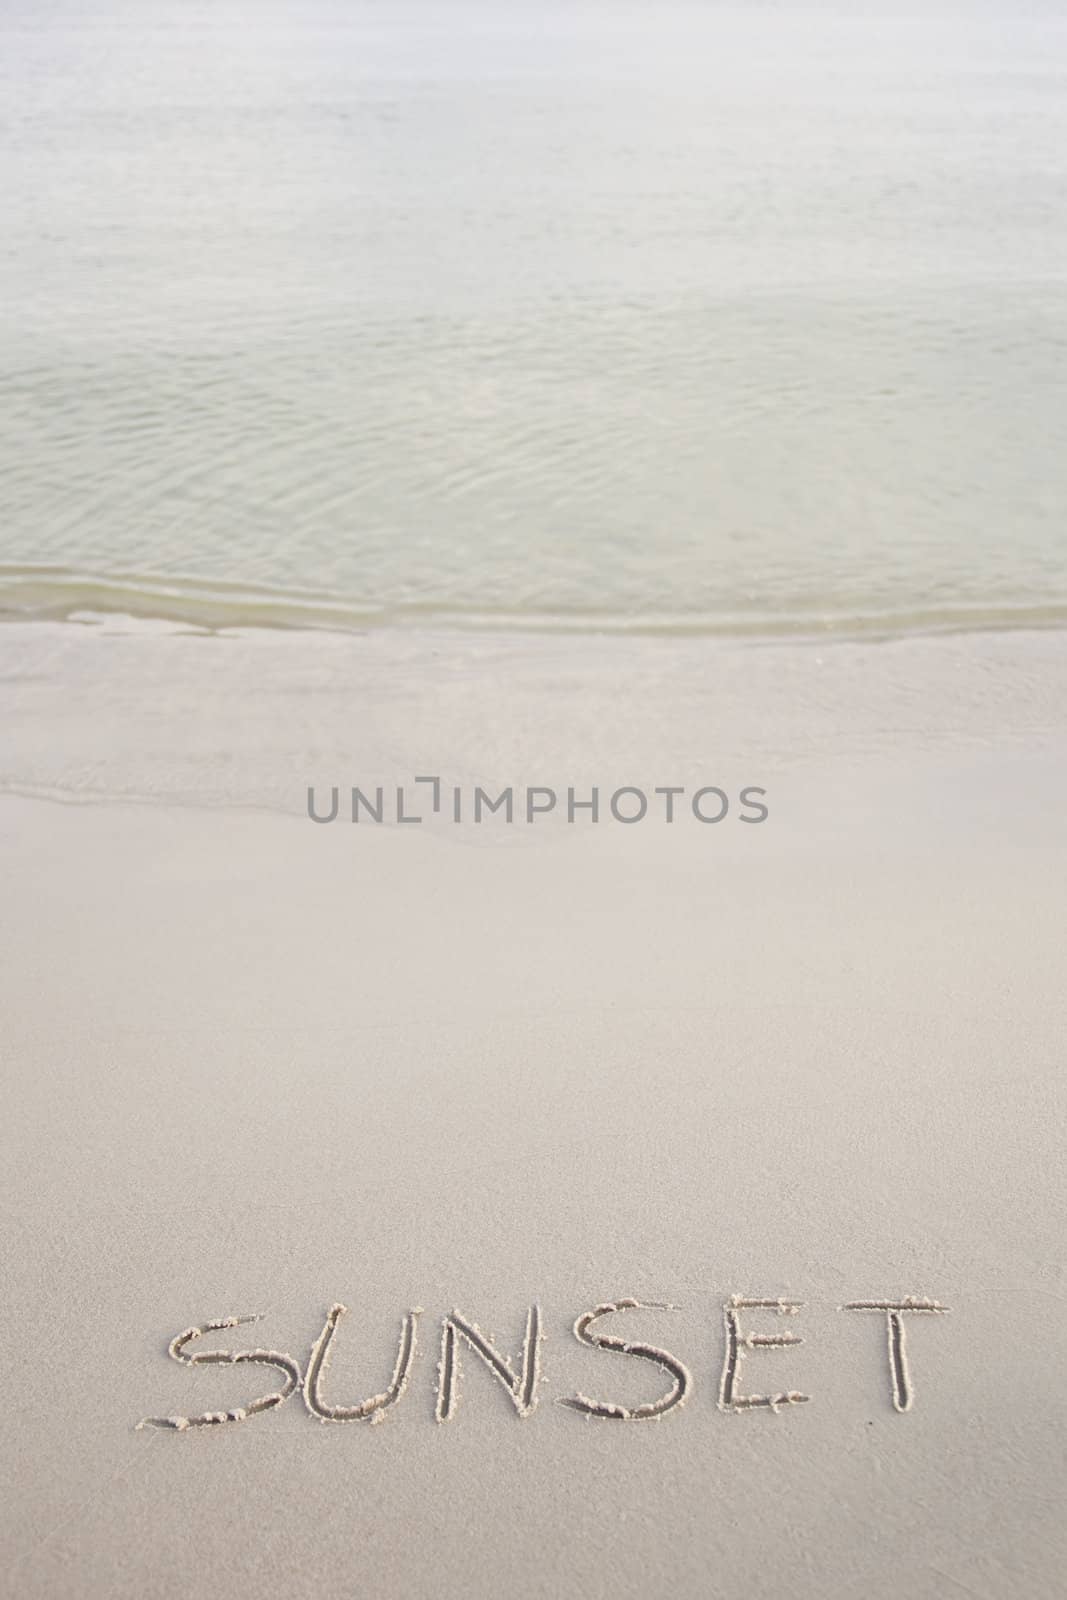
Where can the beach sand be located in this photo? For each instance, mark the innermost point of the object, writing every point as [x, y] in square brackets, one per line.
[258, 1066]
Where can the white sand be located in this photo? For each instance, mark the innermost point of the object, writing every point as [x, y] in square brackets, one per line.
[259, 1066]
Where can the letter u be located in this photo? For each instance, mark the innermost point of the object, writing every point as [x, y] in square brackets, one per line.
[335, 802]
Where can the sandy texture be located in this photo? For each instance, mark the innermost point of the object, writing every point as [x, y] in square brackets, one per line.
[256, 1066]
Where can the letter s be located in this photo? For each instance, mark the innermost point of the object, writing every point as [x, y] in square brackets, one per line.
[754, 805]
[259, 1358]
[603, 1341]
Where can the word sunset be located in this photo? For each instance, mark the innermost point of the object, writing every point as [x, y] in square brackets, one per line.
[750, 1326]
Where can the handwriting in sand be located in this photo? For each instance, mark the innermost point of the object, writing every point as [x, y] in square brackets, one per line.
[520, 1376]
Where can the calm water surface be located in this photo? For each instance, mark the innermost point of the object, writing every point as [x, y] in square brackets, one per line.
[693, 317]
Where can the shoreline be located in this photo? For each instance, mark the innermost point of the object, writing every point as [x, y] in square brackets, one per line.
[40, 593]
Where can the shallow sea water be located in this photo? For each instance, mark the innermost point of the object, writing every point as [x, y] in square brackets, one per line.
[687, 318]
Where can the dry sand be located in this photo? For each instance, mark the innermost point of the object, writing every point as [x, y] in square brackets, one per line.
[258, 1066]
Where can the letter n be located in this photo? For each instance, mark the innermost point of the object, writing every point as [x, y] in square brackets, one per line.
[521, 1386]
